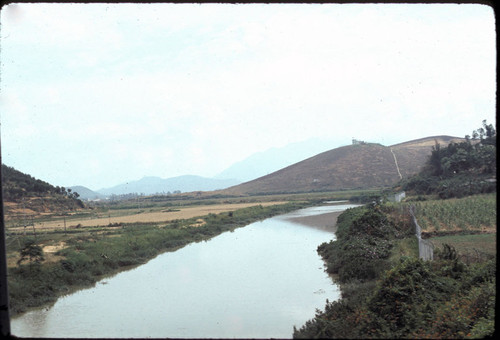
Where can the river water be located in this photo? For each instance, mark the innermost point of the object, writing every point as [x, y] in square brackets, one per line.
[256, 282]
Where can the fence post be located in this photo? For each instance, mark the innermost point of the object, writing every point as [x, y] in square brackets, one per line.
[425, 248]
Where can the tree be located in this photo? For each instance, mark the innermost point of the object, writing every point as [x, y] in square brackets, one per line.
[31, 252]
[472, 161]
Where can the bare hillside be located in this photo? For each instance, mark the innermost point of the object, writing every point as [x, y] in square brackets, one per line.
[358, 166]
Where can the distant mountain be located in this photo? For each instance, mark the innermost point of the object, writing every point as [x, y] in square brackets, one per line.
[152, 185]
[266, 162]
[86, 194]
[359, 166]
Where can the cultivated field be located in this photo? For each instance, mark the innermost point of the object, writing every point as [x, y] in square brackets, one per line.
[148, 215]
[473, 214]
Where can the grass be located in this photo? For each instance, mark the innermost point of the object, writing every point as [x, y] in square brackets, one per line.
[407, 247]
[470, 248]
[469, 214]
[450, 297]
[468, 224]
[91, 254]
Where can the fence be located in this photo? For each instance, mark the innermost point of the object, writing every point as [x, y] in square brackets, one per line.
[425, 248]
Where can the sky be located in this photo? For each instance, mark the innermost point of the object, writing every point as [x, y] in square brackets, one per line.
[102, 94]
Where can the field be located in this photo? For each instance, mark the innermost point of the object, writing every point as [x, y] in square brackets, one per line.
[53, 234]
[61, 261]
[149, 209]
[470, 248]
[53, 230]
[121, 216]
[467, 224]
[469, 214]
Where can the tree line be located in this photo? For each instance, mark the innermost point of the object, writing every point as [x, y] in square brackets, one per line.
[459, 169]
[17, 185]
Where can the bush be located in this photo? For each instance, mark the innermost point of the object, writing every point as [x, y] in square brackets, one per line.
[364, 242]
[444, 298]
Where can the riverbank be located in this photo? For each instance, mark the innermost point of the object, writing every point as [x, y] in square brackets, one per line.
[389, 292]
[232, 286]
[326, 221]
[90, 256]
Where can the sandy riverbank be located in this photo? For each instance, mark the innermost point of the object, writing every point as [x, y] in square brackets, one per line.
[326, 221]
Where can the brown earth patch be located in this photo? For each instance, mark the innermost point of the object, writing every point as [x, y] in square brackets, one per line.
[148, 217]
[48, 254]
[326, 221]
[199, 222]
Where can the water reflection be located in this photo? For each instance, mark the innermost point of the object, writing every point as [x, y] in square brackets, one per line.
[256, 282]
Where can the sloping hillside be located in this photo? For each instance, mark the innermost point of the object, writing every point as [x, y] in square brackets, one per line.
[86, 194]
[412, 155]
[358, 166]
[24, 194]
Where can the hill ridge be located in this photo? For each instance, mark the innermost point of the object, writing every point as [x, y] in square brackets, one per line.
[357, 166]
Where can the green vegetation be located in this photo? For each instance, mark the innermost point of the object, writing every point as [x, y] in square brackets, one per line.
[469, 248]
[387, 292]
[472, 213]
[24, 191]
[460, 169]
[89, 256]
[32, 253]
[17, 185]
[365, 237]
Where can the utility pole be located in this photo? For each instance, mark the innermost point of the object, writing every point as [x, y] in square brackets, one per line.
[24, 218]
[33, 224]
[4, 292]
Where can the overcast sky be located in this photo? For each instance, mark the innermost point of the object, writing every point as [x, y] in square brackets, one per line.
[101, 94]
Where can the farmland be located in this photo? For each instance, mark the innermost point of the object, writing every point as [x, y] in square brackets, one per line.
[469, 214]
[389, 292]
[79, 247]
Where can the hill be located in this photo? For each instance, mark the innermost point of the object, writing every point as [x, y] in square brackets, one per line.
[359, 166]
[86, 193]
[412, 155]
[25, 194]
[274, 159]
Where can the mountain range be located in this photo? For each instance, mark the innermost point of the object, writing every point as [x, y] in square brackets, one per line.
[151, 185]
[357, 166]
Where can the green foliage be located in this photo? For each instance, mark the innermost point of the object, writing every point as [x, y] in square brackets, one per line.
[16, 184]
[31, 252]
[460, 169]
[467, 213]
[444, 298]
[414, 299]
[365, 238]
[88, 257]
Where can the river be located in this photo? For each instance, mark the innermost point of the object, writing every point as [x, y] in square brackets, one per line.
[255, 282]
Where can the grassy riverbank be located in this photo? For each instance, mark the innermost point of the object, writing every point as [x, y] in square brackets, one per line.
[84, 258]
[388, 292]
